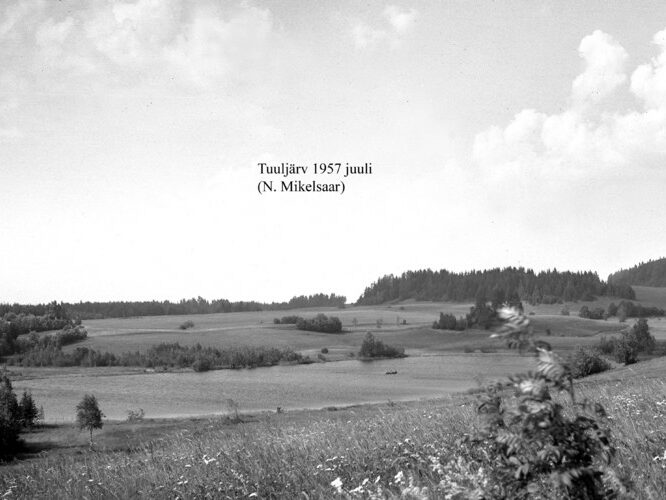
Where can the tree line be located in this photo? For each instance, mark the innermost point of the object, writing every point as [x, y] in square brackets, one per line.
[173, 355]
[545, 287]
[650, 273]
[199, 305]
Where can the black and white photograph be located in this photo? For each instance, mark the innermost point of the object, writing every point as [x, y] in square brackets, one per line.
[378, 249]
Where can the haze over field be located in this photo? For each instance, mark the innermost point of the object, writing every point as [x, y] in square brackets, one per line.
[500, 133]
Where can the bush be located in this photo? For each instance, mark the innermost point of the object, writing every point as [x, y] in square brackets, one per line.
[324, 350]
[372, 348]
[606, 345]
[565, 311]
[624, 351]
[10, 418]
[135, 415]
[320, 323]
[450, 322]
[289, 320]
[584, 362]
[201, 365]
[640, 336]
[187, 324]
[536, 439]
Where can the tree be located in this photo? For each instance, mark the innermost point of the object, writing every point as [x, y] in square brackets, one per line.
[28, 410]
[88, 415]
[10, 420]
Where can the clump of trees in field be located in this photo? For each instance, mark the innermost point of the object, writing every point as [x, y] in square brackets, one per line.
[186, 325]
[625, 309]
[287, 320]
[15, 416]
[373, 348]
[12, 324]
[547, 287]
[450, 322]
[320, 323]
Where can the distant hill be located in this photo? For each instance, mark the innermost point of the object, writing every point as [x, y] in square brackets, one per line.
[497, 285]
[651, 273]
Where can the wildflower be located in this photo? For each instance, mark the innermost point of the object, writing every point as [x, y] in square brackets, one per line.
[337, 484]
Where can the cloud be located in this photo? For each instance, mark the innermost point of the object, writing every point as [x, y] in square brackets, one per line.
[400, 21]
[211, 48]
[11, 134]
[604, 67]
[588, 139]
[365, 36]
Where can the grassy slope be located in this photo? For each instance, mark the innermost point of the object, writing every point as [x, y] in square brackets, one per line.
[287, 454]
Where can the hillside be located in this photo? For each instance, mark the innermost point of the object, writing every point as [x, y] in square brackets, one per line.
[651, 273]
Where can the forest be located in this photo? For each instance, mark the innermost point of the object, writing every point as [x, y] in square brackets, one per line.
[498, 285]
[650, 273]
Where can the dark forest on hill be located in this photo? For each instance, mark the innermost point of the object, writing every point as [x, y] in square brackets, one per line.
[547, 287]
[650, 273]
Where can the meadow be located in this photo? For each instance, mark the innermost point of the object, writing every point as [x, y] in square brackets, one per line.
[390, 450]
[345, 428]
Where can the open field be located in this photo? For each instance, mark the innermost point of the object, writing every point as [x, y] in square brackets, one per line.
[119, 335]
[286, 455]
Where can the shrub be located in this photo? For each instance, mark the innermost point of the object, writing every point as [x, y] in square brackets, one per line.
[289, 320]
[320, 323]
[373, 348]
[640, 336]
[565, 311]
[534, 439]
[324, 350]
[321, 357]
[584, 362]
[135, 415]
[201, 364]
[606, 345]
[624, 351]
[187, 324]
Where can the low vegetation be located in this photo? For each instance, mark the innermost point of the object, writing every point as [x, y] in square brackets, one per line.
[173, 355]
[558, 439]
[186, 325]
[373, 348]
[320, 323]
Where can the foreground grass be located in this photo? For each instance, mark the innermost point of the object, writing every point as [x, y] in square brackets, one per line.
[371, 451]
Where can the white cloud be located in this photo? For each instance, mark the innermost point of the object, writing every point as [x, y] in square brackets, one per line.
[604, 67]
[212, 48]
[365, 36]
[11, 134]
[400, 19]
[586, 140]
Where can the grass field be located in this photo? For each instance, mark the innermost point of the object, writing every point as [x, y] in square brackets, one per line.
[389, 450]
[119, 335]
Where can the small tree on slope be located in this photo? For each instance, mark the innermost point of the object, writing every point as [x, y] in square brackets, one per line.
[88, 415]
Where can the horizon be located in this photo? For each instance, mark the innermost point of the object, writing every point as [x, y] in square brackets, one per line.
[511, 134]
[353, 302]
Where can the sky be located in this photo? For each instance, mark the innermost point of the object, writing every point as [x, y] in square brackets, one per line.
[514, 133]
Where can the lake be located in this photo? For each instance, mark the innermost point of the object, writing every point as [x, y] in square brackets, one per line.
[317, 385]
